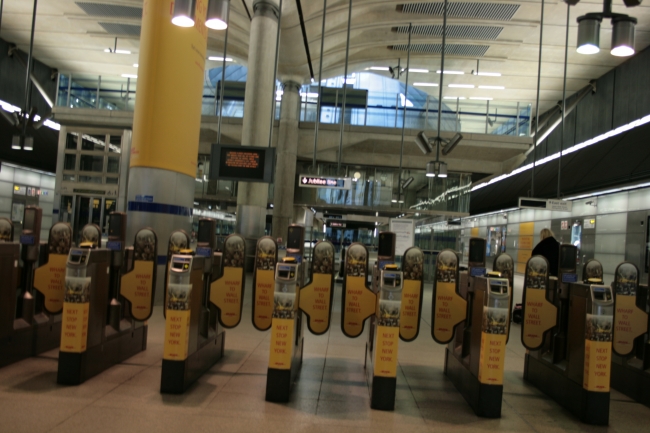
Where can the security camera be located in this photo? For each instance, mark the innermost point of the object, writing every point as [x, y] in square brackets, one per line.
[407, 182]
[423, 143]
[451, 144]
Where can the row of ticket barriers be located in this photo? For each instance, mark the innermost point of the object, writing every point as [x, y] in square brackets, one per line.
[93, 303]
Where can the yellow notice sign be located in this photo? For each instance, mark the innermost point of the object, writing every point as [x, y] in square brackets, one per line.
[492, 358]
[263, 299]
[386, 342]
[49, 280]
[74, 327]
[177, 335]
[315, 302]
[630, 322]
[598, 363]
[281, 344]
[226, 294]
[449, 310]
[137, 287]
[526, 243]
[359, 303]
[409, 319]
[539, 316]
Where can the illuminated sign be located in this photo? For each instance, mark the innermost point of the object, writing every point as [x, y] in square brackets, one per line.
[242, 163]
[550, 204]
[324, 182]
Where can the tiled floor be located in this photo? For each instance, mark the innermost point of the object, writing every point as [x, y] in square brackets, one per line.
[331, 394]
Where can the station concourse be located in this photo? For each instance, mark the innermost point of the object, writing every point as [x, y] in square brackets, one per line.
[291, 215]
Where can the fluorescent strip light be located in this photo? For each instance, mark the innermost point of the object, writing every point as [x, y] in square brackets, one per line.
[609, 191]
[378, 68]
[426, 84]
[454, 97]
[129, 76]
[452, 72]
[423, 71]
[461, 86]
[478, 98]
[310, 94]
[489, 74]
[492, 87]
[219, 59]
[122, 52]
[575, 148]
[135, 65]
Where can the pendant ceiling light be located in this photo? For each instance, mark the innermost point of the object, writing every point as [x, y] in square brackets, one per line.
[442, 170]
[184, 13]
[623, 36]
[217, 18]
[432, 168]
[588, 35]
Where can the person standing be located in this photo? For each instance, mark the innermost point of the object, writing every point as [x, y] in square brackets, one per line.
[549, 248]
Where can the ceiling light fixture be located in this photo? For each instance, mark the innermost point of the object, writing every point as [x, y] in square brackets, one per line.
[135, 65]
[426, 84]
[219, 59]
[184, 13]
[492, 87]
[488, 74]
[217, 16]
[480, 98]
[622, 30]
[461, 86]
[422, 71]
[129, 76]
[623, 36]
[454, 97]
[447, 72]
[379, 68]
[431, 168]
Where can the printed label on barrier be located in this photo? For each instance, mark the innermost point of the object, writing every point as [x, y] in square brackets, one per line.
[598, 361]
[386, 344]
[539, 316]
[177, 335]
[492, 358]
[410, 309]
[281, 344]
[226, 294]
[315, 302]
[360, 303]
[137, 287]
[263, 302]
[630, 322]
[450, 310]
[49, 280]
[74, 327]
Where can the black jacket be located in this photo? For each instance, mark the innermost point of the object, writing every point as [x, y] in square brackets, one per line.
[549, 248]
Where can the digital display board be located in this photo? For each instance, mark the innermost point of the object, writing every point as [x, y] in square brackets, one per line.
[242, 163]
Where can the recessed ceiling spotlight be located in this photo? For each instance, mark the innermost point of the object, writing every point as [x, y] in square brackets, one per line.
[479, 98]
[379, 68]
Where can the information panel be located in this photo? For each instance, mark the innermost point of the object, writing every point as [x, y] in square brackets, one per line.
[242, 163]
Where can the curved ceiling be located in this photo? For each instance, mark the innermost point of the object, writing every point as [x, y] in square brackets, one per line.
[72, 35]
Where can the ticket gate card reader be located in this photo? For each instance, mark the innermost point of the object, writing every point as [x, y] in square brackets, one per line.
[580, 380]
[383, 340]
[631, 347]
[285, 357]
[95, 333]
[30, 323]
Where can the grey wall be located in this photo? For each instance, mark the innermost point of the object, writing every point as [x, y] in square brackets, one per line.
[622, 96]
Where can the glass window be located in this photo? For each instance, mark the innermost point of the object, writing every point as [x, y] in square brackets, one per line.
[70, 161]
[113, 164]
[115, 144]
[66, 209]
[91, 163]
[112, 180]
[93, 142]
[71, 141]
[90, 179]
[69, 177]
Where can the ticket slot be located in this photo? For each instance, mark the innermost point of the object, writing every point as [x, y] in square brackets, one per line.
[266, 257]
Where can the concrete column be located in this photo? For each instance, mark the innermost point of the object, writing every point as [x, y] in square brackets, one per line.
[252, 197]
[166, 125]
[287, 154]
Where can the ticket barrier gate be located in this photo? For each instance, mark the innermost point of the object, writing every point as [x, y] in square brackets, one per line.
[393, 304]
[204, 296]
[30, 313]
[109, 294]
[471, 314]
[567, 329]
[631, 347]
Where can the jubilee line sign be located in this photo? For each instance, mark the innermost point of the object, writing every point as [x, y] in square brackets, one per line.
[308, 181]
